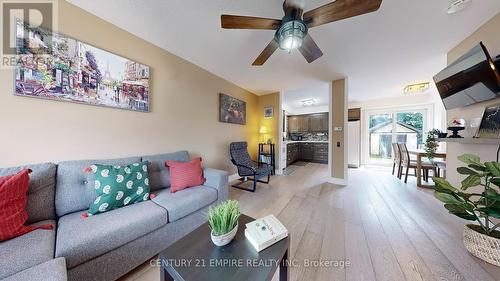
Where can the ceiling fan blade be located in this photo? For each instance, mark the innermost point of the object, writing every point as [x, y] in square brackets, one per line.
[309, 49]
[266, 54]
[340, 9]
[244, 22]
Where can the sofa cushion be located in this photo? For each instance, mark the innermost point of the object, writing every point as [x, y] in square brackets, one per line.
[28, 250]
[159, 175]
[75, 188]
[185, 202]
[40, 204]
[118, 186]
[53, 270]
[81, 239]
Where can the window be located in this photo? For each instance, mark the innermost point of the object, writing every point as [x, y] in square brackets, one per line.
[401, 126]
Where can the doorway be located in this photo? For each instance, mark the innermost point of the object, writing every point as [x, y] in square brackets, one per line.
[384, 127]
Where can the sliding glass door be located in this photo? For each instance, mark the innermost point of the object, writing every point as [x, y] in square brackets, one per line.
[389, 126]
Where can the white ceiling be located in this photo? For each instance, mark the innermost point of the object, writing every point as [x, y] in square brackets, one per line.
[406, 41]
[292, 100]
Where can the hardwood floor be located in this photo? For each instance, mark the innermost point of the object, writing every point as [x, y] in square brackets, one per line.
[385, 229]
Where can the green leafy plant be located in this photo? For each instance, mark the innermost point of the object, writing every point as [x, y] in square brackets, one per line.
[224, 217]
[431, 143]
[474, 206]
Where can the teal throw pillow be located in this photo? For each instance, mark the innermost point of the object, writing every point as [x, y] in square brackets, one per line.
[118, 186]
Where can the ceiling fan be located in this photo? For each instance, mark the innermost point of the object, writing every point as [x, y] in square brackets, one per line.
[292, 29]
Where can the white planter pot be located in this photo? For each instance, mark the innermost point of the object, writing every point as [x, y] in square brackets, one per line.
[224, 239]
[482, 246]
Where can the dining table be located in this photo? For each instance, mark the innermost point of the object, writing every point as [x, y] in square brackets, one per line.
[420, 154]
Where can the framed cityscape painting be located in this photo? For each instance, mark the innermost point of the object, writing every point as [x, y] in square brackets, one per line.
[55, 67]
[232, 110]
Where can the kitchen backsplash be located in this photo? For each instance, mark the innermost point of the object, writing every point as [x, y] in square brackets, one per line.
[312, 136]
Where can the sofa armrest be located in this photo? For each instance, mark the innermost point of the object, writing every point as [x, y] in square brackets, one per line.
[219, 180]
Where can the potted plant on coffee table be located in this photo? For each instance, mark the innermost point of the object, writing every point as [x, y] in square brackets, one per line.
[477, 199]
[223, 221]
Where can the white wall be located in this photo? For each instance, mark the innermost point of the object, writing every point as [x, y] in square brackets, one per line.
[490, 35]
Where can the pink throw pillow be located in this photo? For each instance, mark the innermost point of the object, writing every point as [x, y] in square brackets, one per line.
[185, 174]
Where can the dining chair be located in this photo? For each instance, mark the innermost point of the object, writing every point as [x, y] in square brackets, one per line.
[396, 159]
[408, 163]
[441, 166]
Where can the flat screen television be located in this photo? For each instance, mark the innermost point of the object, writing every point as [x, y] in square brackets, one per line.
[473, 78]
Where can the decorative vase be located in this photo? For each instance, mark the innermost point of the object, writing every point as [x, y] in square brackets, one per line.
[481, 245]
[455, 131]
[224, 239]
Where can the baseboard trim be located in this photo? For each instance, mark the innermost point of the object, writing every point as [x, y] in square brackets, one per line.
[337, 181]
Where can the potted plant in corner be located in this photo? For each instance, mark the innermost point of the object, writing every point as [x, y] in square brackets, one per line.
[482, 205]
[223, 221]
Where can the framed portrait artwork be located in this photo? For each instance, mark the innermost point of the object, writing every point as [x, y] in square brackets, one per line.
[232, 110]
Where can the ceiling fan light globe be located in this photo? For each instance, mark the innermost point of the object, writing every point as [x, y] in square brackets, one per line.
[290, 43]
[291, 34]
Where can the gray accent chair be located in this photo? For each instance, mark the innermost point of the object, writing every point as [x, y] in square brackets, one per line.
[109, 245]
[248, 168]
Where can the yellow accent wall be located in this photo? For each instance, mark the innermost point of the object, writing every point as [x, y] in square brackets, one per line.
[271, 124]
[184, 109]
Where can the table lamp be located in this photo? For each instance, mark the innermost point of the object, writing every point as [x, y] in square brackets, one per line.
[263, 131]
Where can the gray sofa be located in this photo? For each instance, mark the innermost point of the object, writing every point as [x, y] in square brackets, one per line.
[108, 245]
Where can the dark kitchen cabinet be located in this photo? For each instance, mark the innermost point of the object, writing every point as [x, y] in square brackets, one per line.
[298, 124]
[320, 152]
[307, 151]
[292, 153]
[303, 123]
[318, 122]
[313, 123]
[293, 124]
[354, 114]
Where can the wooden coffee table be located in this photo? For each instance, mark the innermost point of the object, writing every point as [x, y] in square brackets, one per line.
[195, 257]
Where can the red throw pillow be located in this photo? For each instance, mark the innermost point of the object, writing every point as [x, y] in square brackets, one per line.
[185, 174]
[13, 197]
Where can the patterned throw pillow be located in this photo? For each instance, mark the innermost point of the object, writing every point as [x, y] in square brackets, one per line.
[118, 186]
[185, 174]
[13, 199]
